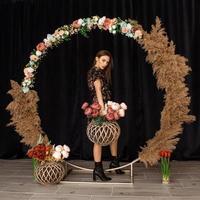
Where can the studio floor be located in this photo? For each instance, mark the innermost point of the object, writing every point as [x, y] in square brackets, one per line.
[16, 182]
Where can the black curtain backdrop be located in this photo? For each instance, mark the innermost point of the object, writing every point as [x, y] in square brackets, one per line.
[61, 78]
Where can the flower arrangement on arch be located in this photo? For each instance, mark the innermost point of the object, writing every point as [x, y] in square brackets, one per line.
[113, 111]
[165, 165]
[48, 152]
[128, 27]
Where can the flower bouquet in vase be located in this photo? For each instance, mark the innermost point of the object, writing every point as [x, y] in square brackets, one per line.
[165, 166]
[103, 128]
[47, 159]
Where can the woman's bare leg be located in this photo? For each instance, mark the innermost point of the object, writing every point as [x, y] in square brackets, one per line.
[97, 151]
[113, 148]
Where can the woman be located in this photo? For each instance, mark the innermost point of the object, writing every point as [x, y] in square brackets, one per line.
[99, 80]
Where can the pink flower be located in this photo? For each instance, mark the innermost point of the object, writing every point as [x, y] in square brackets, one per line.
[88, 111]
[41, 46]
[116, 115]
[95, 113]
[96, 106]
[107, 23]
[84, 106]
[110, 110]
[138, 33]
[124, 30]
[75, 24]
[28, 72]
[110, 116]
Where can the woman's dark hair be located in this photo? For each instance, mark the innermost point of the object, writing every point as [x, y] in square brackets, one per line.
[110, 64]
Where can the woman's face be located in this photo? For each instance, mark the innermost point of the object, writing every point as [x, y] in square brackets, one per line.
[102, 62]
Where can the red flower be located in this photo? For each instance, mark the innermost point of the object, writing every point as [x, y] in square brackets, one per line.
[96, 106]
[95, 113]
[110, 116]
[84, 106]
[41, 46]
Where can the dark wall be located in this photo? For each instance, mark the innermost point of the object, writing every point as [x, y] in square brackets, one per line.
[61, 78]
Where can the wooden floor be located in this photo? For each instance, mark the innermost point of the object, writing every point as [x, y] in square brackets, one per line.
[16, 182]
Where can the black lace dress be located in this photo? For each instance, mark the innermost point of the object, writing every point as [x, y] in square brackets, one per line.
[96, 73]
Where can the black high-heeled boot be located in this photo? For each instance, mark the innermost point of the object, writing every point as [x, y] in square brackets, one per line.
[115, 163]
[98, 172]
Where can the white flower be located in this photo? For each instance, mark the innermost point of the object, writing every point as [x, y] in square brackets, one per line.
[65, 154]
[121, 112]
[123, 106]
[26, 82]
[138, 34]
[129, 26]
[66, 32]
[49, 37]
[38, 53]
[115, 106]
[25, 89]
[95, 18]
[57, 155]
[109, 103]
[66, 148]
[101, 21]
[80, 22]
[114, 27]
[58, 148]
[114, 32]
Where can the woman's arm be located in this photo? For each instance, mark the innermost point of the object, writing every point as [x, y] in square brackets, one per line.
[97, 85]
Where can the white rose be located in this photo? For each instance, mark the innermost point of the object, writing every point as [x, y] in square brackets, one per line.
[109, 103]
[65, 154]
[38, 53]
[58, 148]
[66, 148]
[66, 32]
[115, 106]
[123, 106]
[80, 21]
[57, 155]
[121, 112]
[101, 20]
[128, 26]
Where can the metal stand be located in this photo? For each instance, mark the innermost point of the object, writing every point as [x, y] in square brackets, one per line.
[107, 170]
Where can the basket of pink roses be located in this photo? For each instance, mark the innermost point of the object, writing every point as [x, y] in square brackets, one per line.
[103, 128]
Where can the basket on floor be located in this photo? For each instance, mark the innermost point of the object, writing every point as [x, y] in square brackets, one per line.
[104, 133]
[49, 172]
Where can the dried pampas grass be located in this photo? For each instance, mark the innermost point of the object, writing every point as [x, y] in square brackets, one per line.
[170, 71]
[25, 117]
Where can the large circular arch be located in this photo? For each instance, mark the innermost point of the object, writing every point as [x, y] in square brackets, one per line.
[169, 69]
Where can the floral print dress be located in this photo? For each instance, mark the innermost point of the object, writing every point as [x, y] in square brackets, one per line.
[96, 73]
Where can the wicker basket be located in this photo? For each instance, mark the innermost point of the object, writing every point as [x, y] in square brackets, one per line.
[103, 134]
[49, 172]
